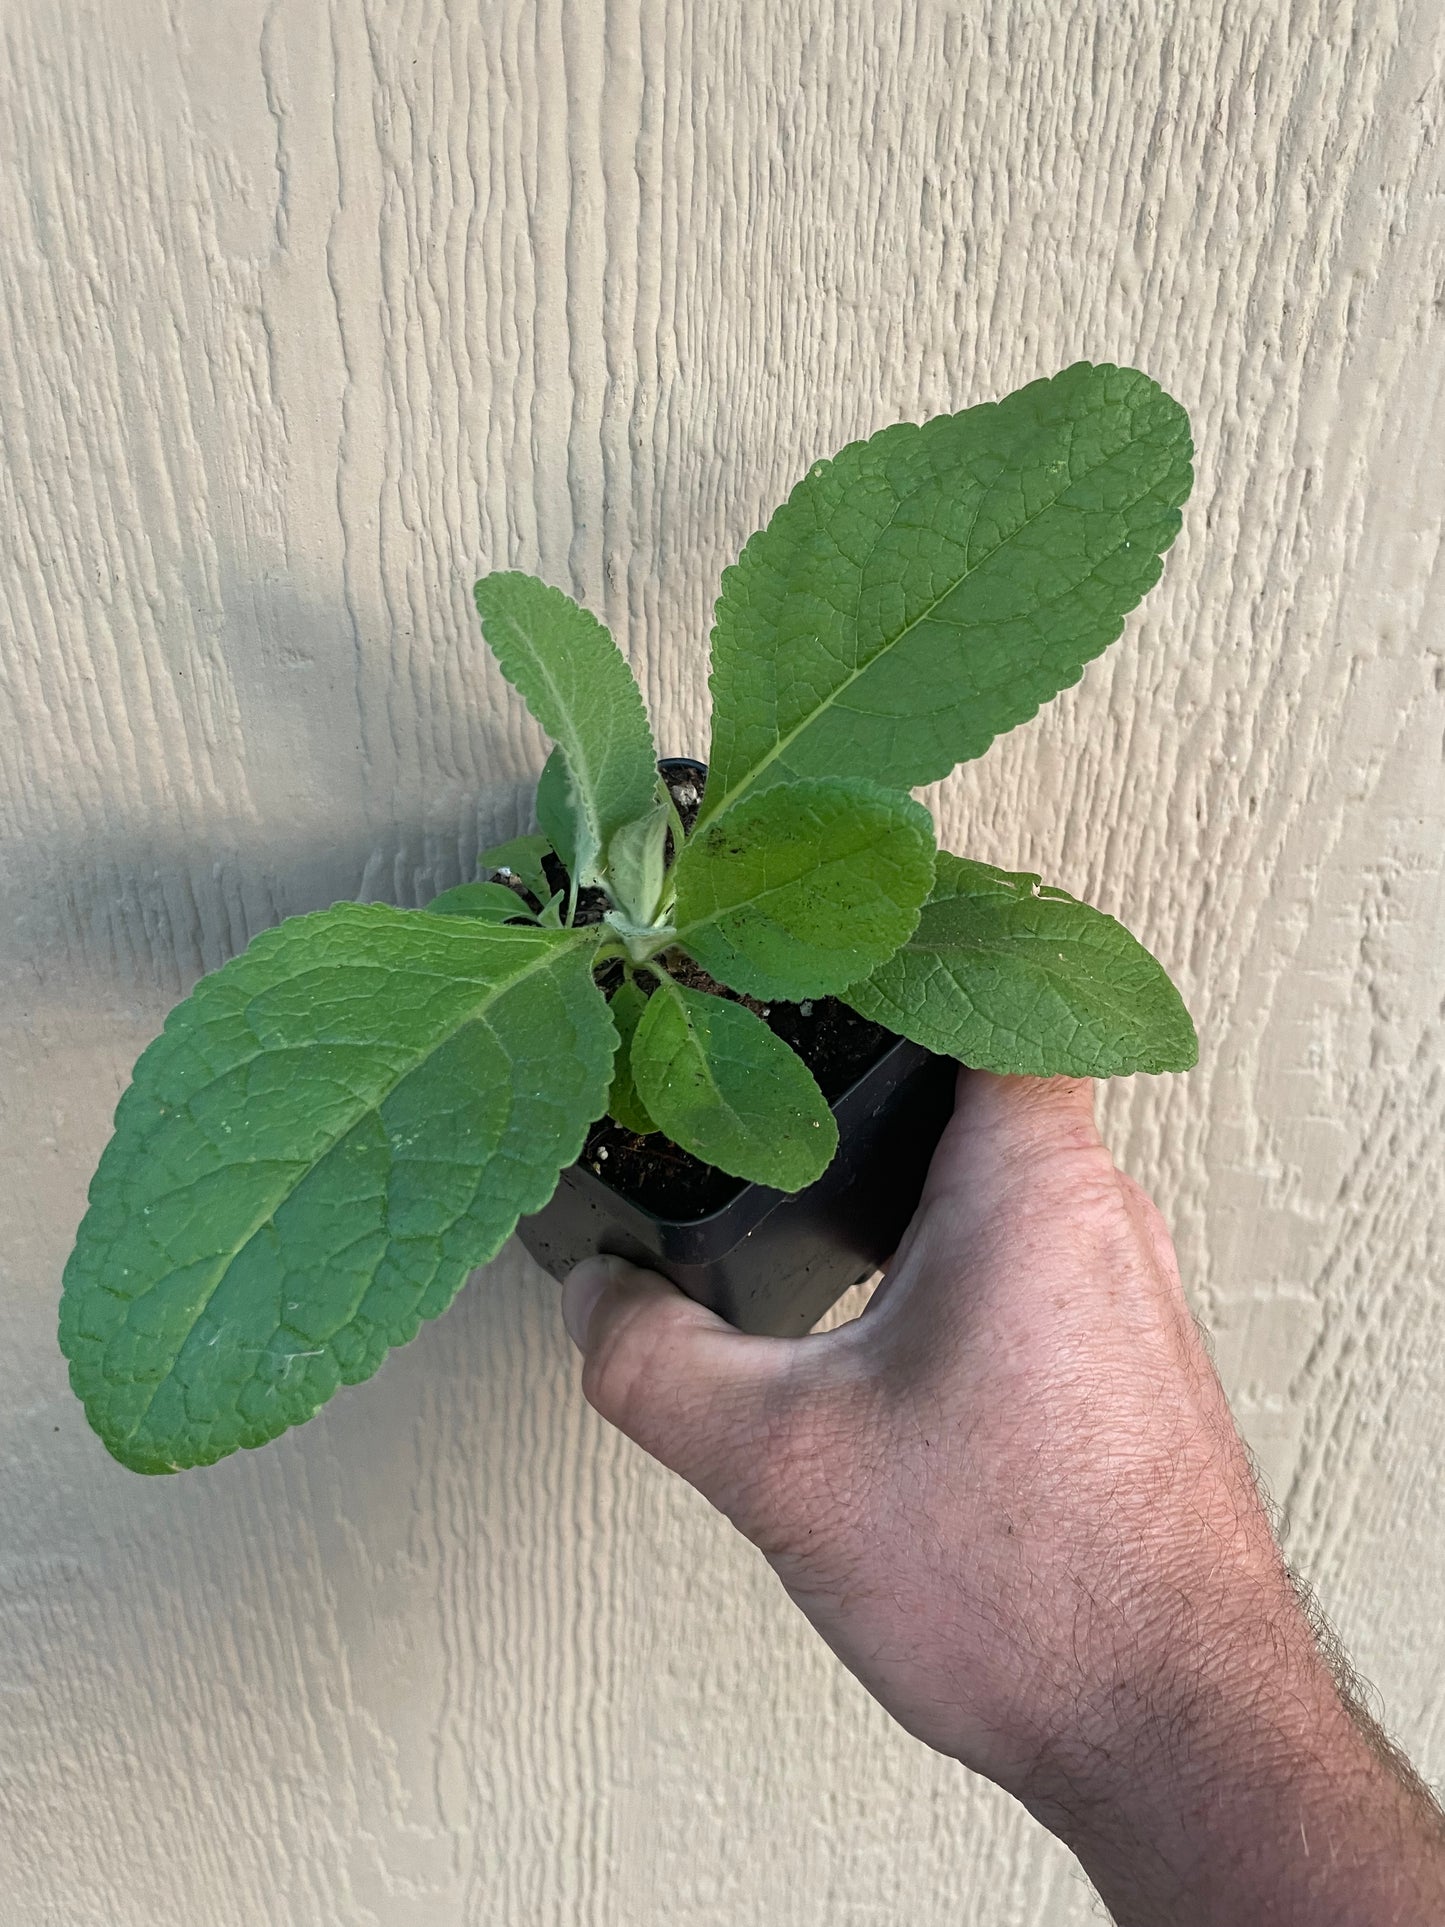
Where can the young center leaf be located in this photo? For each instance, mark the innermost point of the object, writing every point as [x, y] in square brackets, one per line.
[1007, 975]
[330, 1132]
[564, 822]
[802, 888]
[577, 684]
[726, 1088]
[623, 1103]
[636, 862]
[928, 589]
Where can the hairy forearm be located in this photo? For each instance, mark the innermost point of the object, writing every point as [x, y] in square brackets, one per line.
[1263, 1795]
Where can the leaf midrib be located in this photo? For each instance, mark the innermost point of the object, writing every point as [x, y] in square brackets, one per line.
[758, 900]
[713, 1085]
[588, 794]
[786, 742]
[1006, 949]
[1008, 941]
[844, 859]
[674, 991]
[226, 1260]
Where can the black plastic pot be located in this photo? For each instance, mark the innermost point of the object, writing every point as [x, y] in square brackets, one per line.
[766, 1261]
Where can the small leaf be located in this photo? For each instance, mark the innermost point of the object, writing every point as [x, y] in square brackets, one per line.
[635, 863]
[928, 589]
[726, 1088]
[330, 1132]
[576, 682]
[492, 902]
[1008, 976]
[623, 1103]
[564, 827]
[800, 889]
[523, 857]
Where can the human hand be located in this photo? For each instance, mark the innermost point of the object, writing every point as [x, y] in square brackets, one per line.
[1012, 1499]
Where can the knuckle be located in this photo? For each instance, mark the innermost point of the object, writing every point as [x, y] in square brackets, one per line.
[1074, 1165]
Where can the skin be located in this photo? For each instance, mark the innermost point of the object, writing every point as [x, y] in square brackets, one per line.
[1012, 1499]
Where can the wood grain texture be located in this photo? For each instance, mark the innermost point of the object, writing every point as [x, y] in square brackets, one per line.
[311, 312]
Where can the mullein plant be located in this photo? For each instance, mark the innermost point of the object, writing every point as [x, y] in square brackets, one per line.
[337, 1126]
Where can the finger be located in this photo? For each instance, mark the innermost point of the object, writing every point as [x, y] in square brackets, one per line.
[704, 1399]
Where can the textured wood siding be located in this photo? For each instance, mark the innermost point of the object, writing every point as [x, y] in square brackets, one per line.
[308, 313]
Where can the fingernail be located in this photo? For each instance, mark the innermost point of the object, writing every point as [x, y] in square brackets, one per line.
[584, 1285]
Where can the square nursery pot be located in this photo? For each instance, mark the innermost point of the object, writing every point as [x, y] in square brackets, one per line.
[766, 1261]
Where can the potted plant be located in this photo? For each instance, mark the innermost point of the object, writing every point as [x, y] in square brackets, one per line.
[769, 1260]
[337, 1126]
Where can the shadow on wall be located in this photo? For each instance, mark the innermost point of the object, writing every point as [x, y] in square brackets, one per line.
[263, 760]
[240, 783]
[149, 913]
[332, 1510]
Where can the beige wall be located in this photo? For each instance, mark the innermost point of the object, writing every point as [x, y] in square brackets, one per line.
[308, 314]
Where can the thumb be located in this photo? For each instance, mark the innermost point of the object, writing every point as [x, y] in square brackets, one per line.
[1007, 1130]
[704, 1399]
[1017, 1151]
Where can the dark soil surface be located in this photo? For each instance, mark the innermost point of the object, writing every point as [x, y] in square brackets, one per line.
[834, 1042]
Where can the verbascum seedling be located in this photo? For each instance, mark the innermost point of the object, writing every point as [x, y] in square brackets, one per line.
[333, 1129]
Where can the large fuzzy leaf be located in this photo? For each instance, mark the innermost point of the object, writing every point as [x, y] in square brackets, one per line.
[728, 1089]
[329, 1133]
[577, 684]
[928, 589]
[802, 888]
[1007, 975]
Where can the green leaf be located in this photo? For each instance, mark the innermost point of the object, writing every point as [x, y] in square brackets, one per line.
[577, 684]
[636, 865]
[726, 1088]
[492, 902]
[330, 1132]
[562, 824]
[802, 888]
[928, 589]
[523, 857]
[1007, 975]
[623, 1102]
